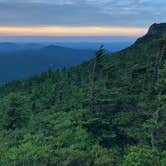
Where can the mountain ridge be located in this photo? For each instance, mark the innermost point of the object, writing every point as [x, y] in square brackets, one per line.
[156, 29]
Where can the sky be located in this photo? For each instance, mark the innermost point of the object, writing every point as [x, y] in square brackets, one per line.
[76, 19]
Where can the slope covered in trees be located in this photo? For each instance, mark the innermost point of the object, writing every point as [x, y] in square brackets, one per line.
[105, 112]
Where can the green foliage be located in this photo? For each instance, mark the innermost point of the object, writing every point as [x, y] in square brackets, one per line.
[16, 114]
[142, 156]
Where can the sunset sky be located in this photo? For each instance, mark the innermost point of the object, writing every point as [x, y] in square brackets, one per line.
[72, 18]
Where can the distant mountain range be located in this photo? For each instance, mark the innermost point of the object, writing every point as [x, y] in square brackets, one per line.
[18, 62]
[111, 46]
[9, 46]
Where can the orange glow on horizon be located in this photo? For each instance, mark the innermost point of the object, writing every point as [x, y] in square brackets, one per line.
[71, 31]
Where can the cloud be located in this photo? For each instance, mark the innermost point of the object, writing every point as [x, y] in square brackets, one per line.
[128, 13]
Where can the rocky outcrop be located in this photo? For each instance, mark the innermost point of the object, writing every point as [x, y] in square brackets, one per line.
[157, 29]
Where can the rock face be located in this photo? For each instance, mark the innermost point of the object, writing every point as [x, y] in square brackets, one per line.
[157, 29]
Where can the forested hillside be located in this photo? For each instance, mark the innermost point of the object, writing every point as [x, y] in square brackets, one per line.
[110, 111]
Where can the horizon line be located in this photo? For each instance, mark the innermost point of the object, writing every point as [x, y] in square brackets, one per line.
[63, 31]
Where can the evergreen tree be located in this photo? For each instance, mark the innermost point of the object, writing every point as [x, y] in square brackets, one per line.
[16, 114]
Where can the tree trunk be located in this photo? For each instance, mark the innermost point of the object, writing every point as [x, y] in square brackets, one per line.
[156, 114]
[93, 86]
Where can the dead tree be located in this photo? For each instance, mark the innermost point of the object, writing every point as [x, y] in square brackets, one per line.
[99, 54]
[159, 61]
